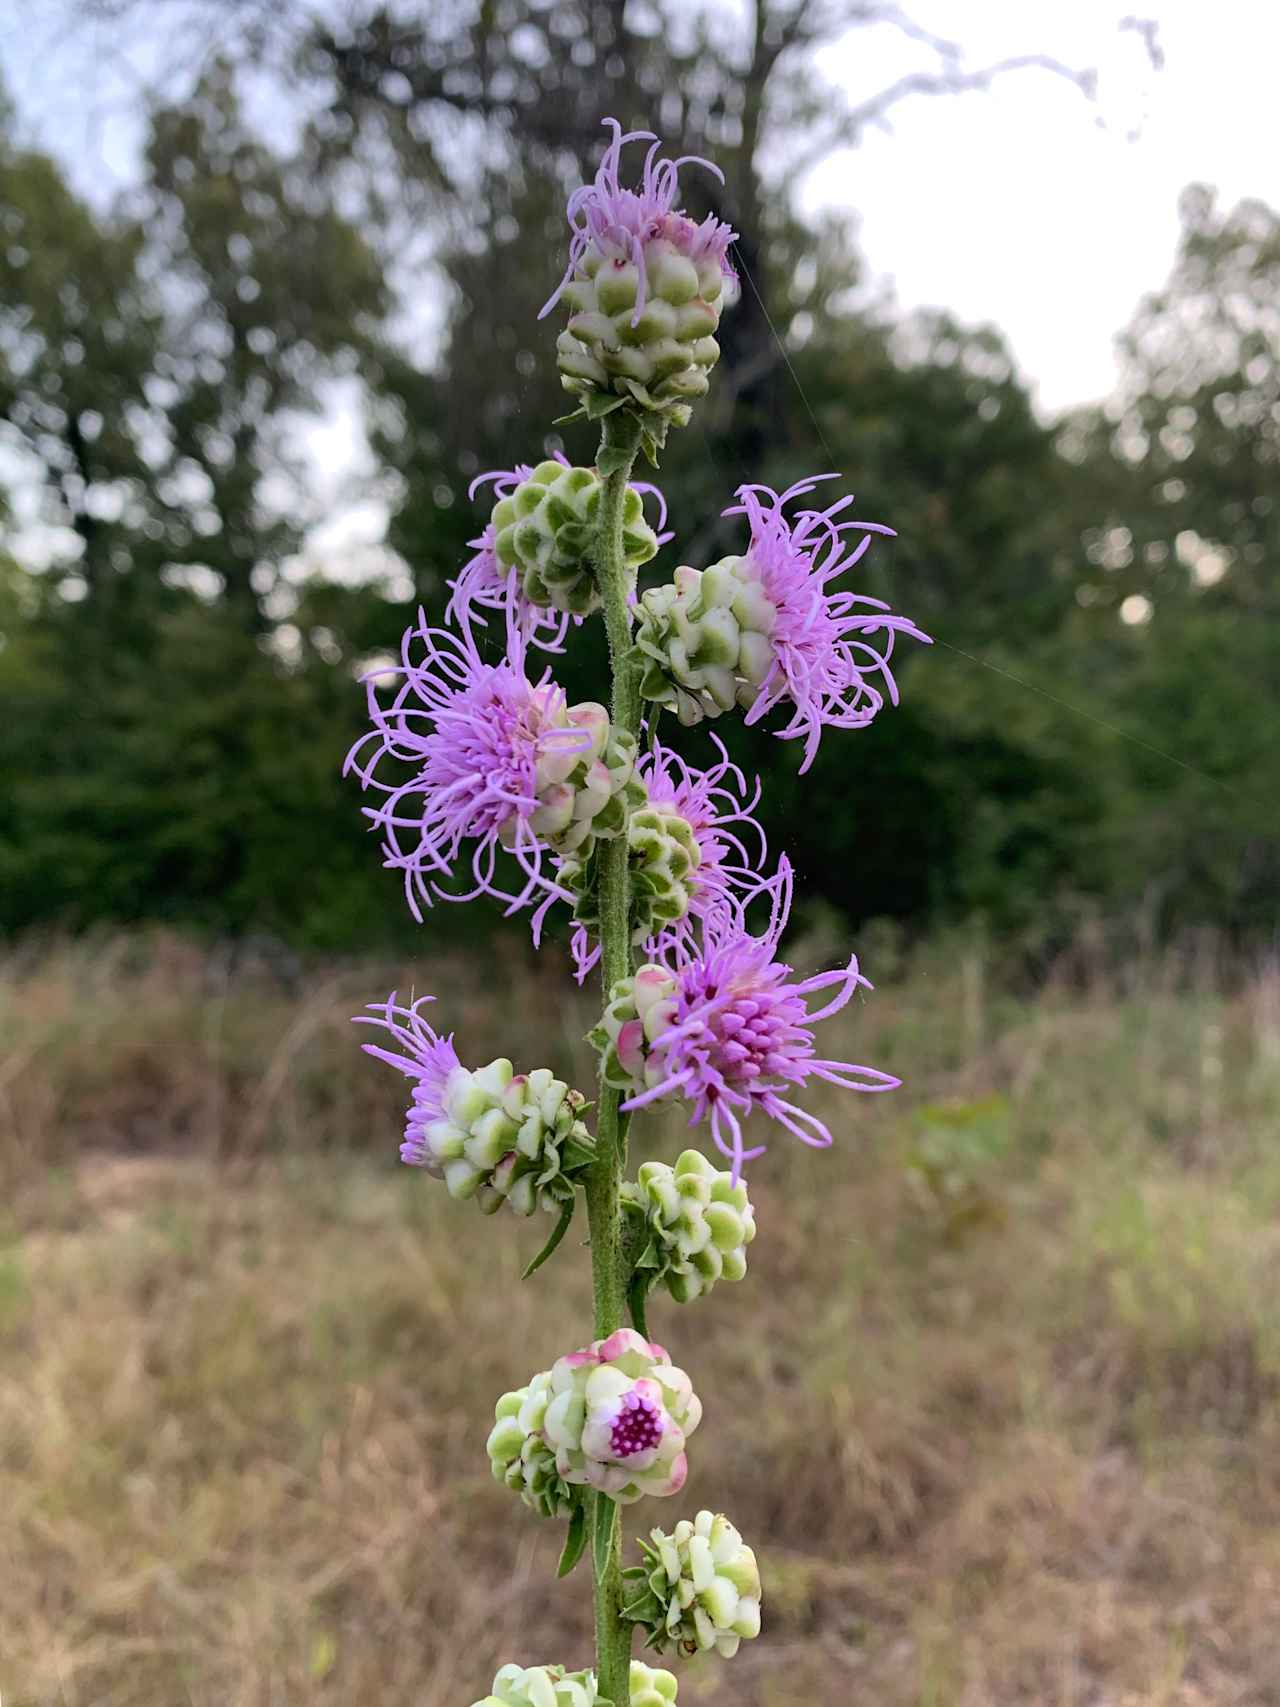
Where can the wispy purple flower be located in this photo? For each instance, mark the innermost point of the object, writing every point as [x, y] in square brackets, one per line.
[483, 584]
[619, 222]
[426, 1058]
[829, 651]
[730, 1031]
[479, 742]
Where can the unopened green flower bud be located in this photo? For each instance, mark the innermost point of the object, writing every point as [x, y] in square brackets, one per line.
[703, 639]
[546, 530]
[503, 1137]
[664, 859]
[518, 1453]
[698, 1589]
[542, 1686]
[691, 1223]
[586, 792]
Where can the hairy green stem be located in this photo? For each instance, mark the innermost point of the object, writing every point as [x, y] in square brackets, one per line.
[621, 440]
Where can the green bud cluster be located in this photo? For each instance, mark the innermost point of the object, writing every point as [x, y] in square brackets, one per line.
[661, 362]
[519, 1455]
[543, 1686]
[664, 858]
[698, 1589]
[587, 793]
[509, 1138]
[545, 529]
[702, 640]
[691, 1224]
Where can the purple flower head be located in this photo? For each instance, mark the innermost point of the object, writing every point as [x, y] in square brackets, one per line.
[426, 1058]
[829, 651]
[620, 222]
[486, 751]
[484, 584]
[712, 802]
[717, 804]
[731, 1031]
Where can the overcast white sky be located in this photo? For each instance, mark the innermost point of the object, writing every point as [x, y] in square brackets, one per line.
[1025, 207]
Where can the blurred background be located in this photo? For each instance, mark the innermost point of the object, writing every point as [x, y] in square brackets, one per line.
[996, 1402]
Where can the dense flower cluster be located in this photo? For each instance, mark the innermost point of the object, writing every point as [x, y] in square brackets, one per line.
[615, 1415]
[645, 286]
[542, 1686]
[765, 628]
[495, 763]
[533, 562]
[695, 849]
[690, 1225]
[494, 1135]
[730, 1031]
[698, 1589]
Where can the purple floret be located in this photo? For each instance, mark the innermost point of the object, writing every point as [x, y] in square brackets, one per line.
[620, 222]
[471, 737]
[741, 1033]
[428, 1059]
[831, 650]
[717, 804]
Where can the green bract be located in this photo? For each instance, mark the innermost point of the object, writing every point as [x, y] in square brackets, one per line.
[518, 1454]
[639, 1010]
[698, 1588]
[546, 530]
[703, 639]
[661, 363]
[651, 1687]
[543, 1686]
[664, 858]
[584, 793]
[509, 1138]
[691, 1224]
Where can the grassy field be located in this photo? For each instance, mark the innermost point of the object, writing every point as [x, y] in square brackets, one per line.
[996, 1402]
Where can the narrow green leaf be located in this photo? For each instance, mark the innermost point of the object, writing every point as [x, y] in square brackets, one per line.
[636, 1294]
[558, 1233]
[606, 1521]
[575, 1541]
[597, 404]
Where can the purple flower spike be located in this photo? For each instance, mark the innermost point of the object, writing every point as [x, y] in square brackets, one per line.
[495, 763]
[730, 1032]
[619, 222]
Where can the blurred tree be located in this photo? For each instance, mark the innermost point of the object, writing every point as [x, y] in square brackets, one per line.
[1179, 500]
[154, 361]
[79, 336]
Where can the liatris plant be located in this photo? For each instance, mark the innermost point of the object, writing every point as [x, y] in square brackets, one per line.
[487, 782]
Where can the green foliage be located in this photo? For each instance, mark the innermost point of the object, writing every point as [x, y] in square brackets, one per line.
[955, 1163]
[175, 701]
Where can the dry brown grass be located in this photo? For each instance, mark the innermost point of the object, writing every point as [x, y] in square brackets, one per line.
[996, 1402]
